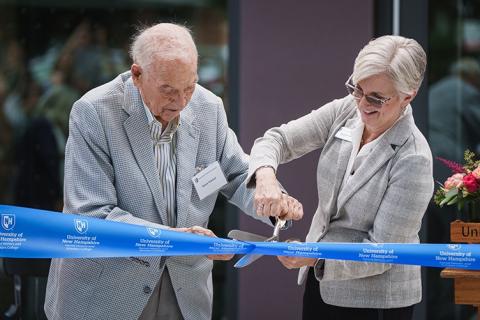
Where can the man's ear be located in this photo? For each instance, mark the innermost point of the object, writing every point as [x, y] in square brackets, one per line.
[136, 71]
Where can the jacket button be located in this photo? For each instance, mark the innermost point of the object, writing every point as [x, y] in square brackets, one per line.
[147, 290]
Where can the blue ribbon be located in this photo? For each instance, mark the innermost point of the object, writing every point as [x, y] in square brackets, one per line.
[33, 233]
[461, 256]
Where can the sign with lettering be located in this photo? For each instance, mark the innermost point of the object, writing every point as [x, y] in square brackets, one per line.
[465, 232]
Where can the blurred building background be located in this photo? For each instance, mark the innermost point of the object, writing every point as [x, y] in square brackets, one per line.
[271, 61]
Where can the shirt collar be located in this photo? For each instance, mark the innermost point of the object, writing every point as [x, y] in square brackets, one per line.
[172, 125]
[150, 117]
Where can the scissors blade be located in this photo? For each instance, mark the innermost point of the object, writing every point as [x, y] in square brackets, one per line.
[247, 259]
[245, 236]
[250, 258]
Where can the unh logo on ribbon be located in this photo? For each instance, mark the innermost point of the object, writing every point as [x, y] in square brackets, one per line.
[81, 225]
[8, 221]
[154, 232]
[454, 246]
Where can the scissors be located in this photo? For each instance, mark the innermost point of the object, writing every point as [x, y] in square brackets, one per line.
[247, 236]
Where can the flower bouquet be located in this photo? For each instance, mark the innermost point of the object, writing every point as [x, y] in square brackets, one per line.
[463, 187]
[463, 190]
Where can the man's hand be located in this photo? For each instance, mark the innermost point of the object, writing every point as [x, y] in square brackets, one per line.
[209, 233]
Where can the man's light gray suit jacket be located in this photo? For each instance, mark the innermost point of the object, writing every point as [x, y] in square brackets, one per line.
[110, 173]
[384, 200]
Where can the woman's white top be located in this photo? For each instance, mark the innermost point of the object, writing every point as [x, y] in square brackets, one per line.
[358, 156]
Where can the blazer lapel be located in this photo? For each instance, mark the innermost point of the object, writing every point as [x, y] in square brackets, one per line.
[344, 155]
[386, 148]
[136, 127]
[186, 152]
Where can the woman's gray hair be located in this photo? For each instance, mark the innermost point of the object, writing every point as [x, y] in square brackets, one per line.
[401, 59]
[163, 41]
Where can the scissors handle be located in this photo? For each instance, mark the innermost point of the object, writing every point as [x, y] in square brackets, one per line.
[245, 236]
[278, 225]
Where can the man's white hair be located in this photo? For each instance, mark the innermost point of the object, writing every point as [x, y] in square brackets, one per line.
[401, 59]
[163, 42]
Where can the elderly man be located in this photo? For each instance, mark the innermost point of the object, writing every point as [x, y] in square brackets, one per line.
[134, 146]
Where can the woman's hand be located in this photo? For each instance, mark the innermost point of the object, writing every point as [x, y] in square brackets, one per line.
[268, 195]
[296, 262]
[269, 199]
[292, 208]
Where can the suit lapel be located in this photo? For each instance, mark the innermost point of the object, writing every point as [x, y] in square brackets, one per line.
[344, 156]
[376, 159]
[386, 148]
[136, 127]
[186, 153]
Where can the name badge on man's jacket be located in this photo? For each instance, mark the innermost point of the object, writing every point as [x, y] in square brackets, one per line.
[209, 180]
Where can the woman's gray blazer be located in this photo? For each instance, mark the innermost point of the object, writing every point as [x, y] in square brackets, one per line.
[384, 200]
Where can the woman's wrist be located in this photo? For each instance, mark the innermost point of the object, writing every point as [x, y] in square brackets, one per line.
[264, 172]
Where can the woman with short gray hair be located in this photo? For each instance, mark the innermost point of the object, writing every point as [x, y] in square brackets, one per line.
[374, 180]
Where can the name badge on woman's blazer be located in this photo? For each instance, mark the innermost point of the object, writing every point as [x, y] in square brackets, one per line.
[344, 133]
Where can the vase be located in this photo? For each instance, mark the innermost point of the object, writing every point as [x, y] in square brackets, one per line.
[470, 212]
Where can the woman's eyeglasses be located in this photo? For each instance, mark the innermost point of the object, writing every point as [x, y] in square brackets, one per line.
[358, 94]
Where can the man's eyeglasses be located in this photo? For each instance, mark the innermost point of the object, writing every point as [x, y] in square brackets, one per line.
[358, 94]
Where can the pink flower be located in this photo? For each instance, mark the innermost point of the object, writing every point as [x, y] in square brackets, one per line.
[470, 182]
[455, 181]
[476, 173]
[455, 167]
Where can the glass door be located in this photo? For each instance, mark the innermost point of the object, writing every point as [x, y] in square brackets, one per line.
[453, 122]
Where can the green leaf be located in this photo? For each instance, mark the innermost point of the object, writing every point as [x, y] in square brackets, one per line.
[451, 194]
[453, 201]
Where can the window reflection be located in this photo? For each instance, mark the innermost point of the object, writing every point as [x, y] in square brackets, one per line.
[454, 115]
[454, 122]
[50, 55]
